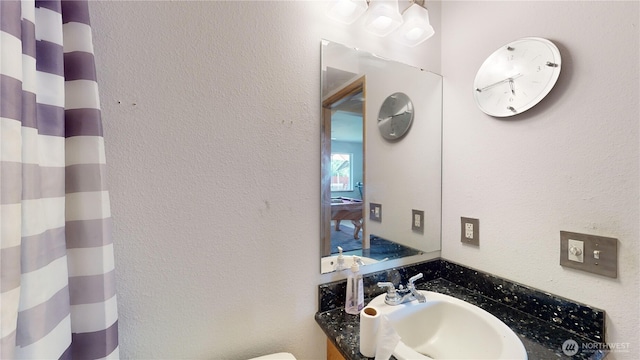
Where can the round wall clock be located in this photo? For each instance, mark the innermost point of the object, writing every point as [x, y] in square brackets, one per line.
[395, 116]
[517, 76]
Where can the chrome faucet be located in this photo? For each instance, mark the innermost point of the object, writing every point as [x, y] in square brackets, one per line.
[401, 295]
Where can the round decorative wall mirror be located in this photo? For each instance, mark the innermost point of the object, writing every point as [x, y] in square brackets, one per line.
[395, 116]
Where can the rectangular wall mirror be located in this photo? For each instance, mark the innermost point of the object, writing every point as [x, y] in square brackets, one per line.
[381, 171]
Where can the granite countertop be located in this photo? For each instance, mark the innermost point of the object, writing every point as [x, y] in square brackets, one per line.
[542, 339]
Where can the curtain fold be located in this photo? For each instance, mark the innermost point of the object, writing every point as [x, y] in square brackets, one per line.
[57, 280]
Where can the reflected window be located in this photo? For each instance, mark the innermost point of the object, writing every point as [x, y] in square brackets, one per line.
[341, 172]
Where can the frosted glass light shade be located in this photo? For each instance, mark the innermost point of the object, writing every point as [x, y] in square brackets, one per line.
[383, 17]
[346, 11]
[416, 27]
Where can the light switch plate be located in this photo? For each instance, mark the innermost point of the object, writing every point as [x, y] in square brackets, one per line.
[375, 212]
[470, 231]
[599, 255]
[417, 220]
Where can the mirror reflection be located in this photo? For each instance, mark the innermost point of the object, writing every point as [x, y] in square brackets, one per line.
[359, 167]
[395, 116]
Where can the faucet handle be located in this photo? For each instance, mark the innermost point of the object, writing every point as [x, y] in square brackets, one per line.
[392, 295]
[391, 289]
[413, 279]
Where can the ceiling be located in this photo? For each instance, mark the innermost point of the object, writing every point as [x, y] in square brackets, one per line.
[346, 118]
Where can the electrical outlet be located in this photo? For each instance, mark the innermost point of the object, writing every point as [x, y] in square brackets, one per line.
[418, 220]
[375, 212]
[470, 231]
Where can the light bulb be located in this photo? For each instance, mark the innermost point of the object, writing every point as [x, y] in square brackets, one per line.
[345, 8]
[383, 17]
[346, 11]
[414, 34]
[416, 27]
[381, 22]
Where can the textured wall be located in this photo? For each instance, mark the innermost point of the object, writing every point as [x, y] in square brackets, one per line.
[212, 130]
[571, 163]
[212, 136]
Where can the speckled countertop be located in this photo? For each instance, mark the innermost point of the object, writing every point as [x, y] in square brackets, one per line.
[541, 337]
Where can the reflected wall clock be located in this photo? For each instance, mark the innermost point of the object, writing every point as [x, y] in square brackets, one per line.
[395, 116]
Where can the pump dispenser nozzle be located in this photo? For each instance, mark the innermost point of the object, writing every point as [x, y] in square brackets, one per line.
[340, 262]
[355, 267]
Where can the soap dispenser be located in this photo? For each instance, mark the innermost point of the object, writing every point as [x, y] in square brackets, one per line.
[354, 301]
[340, 262]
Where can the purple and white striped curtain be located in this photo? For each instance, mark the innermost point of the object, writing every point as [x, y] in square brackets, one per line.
[57, 283]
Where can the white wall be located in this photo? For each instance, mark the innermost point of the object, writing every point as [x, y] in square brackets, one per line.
[212, 126]
[405, 175]
[214, 172]
[571, 163]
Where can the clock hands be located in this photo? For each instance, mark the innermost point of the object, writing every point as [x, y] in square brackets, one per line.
[509, 80]
[530, 66]
[398, 114]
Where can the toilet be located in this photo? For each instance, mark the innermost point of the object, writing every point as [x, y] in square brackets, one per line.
[278, 356]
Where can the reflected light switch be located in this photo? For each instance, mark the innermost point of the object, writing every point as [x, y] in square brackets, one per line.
[375, 212]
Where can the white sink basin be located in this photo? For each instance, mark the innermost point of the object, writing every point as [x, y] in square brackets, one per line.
[448, 328]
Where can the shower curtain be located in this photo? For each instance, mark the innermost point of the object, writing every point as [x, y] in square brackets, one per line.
[57, 282]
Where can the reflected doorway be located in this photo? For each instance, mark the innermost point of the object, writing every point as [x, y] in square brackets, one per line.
[342, 168]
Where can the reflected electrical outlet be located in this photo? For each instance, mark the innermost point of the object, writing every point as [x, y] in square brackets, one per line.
[417, 220]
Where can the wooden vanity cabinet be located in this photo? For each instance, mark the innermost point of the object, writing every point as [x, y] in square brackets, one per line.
[332, 352]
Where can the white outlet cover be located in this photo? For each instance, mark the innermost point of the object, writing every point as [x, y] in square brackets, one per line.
[468, 230]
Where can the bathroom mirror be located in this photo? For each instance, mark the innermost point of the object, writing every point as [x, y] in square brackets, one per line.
[363, 175]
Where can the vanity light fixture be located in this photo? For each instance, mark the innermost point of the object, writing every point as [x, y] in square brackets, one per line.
[347, 11]
[383, 18]
[416, 27]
